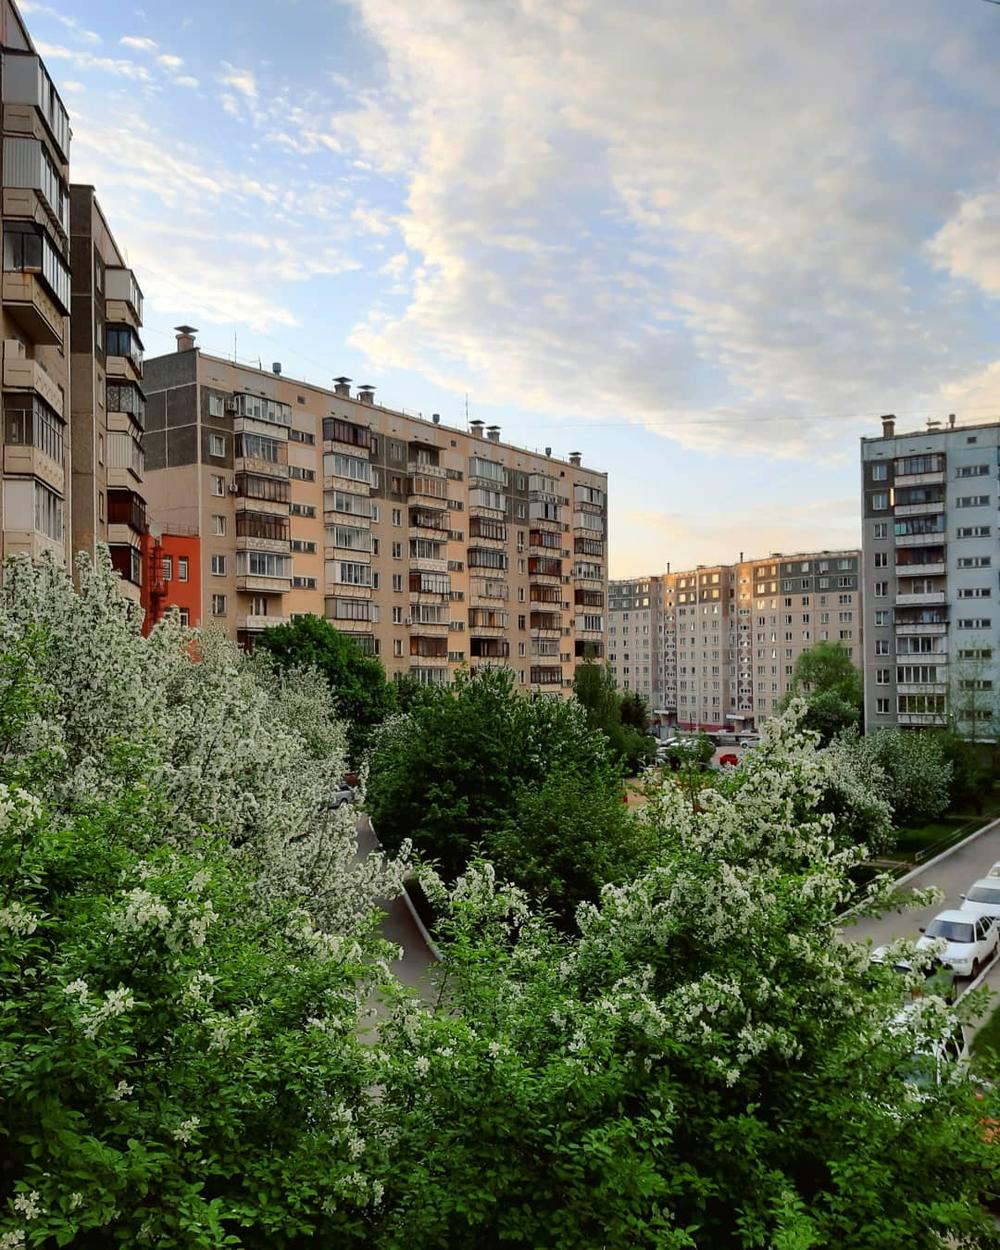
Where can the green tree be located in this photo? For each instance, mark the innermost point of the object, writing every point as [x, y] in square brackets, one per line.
[594, 688]
[831, 685]
[462, 772]
[361, 693]
[634, 711]
[915, 767]
[705, 1066]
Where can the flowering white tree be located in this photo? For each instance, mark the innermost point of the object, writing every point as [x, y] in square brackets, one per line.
[184, 721]
[708, 1065]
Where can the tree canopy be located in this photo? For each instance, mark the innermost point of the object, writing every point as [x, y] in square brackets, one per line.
[826, 677]
[622, 718]
[478, 767]
[362, 696]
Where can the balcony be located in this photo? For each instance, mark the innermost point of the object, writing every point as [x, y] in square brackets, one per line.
[919, 509]
[123, 352]
[430, 629]
[923, 687]
[255, 583]
[936, 569]
[120, 286]
[424, 564]
[29, 304]
[918, 479]
[127, 510]
[920, 598]
[254, 622]
[428, 491]
[922, 718]
[910, 631]
[918, 540]
[418, 469]
[21, 374]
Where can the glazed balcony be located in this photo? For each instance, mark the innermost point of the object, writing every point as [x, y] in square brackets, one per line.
[28, 303]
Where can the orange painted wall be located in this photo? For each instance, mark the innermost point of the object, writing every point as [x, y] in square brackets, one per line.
[159, 593]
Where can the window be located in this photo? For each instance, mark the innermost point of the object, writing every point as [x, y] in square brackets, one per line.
[880, 472]
[881, 646]
[880, 501]
[972, 501]
[218, 566]
[30, 422]
[397, 582]
[218, 484]
[301, 475]
[27, 248]
[974, 562]
[302, 436]
[397, 551]
[972, 470]
[216, 406]
[216, 445]
[303, 546]
[304, 583]
[882, 618]
[397, 646]
[218, 525]
[882, 707]
[218, 605]
[881, 559]
[880, 529]
[184, 616]
[973, 531]
[397, 516]
[397, 616]
[881, 590]
[975, 622]
[301, 509]
[182, 568]
[263, 564]
[168, 567]
[881, 677]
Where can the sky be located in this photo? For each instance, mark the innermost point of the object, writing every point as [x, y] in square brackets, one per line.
[705, 244]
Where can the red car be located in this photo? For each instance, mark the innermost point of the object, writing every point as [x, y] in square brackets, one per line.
[730, 759]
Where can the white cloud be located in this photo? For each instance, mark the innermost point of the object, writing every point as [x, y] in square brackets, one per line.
[28, 7]
[241, 80]
[88, 61]
[139, 42]
[779, 174]
[968, 244]
[169, 61]
[185, 80]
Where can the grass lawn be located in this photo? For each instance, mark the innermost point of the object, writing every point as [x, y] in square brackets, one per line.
[915, 840]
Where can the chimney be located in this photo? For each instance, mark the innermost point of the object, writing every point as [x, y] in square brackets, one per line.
[493, 433]
[185, 337]
[276, 368]
[575, 458]
[951, 420]
[366, 394]
[436, 418]
[889, 425]
[342, 387]
[476, 426]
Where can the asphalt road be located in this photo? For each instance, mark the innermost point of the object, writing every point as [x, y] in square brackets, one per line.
[953, 873]
[399, 927]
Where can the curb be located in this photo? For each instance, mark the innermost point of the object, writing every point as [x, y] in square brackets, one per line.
[418, 924]
[915, 872]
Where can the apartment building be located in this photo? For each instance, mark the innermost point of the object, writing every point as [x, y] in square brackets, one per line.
[720, 642]
[35, 297]
[434, 547]
[932, 627]
[107, 404]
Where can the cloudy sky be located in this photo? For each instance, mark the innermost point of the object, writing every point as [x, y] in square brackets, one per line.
[705, 242]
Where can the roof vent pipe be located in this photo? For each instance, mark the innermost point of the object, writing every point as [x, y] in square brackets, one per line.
[476, 426]
[185, 337]
[342, 386]
[366, 394]
[493, 433]
[889, 425]
[575, 459]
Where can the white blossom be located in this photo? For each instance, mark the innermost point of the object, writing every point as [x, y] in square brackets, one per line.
[17, 918]
[185, 1130]
[122, 1090]
[29, 1205]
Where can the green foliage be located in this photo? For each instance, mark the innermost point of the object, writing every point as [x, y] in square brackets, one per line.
[970, 776]
[465, 770]
[623, 719]
[362, 695]
[832, 688]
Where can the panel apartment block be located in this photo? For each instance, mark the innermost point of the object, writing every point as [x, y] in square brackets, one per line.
[107, 400]
[434, 547]
[35, 473]
[930, 576]
[714, 647]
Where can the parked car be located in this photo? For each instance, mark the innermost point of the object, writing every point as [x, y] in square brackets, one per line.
[983, 897]
[729, 758]
[995, 870]
[342, 795]
[969, 940]
[937, 978]
[934, 1059]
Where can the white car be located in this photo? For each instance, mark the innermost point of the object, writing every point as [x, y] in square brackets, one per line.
[944, 1055]
[983, 898]
[995, 870]
[967, 940]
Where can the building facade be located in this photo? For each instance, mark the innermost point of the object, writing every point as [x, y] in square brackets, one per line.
[35, 478]
[715, 647]
[434, 547]
[107, 404]
[930, 574]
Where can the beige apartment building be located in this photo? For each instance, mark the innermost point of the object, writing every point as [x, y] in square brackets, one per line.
[434, 547]
[35, 481]
[715, 647]
[106, 396]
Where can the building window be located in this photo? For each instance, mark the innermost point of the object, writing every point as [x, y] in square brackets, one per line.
[216, 445]
[218, 566]
[397, 516]
[184, 616]
[882, 707]
[880, 501]
[218, 605]
[881, 559]
[397, 582]
[880, 472]
[218, 484]
[397, 646]
[182, 568]
[881, 646]
[881, 590]
[216, 406]
[218, 525]
[168, 568]
[881, 677]
[882, 618]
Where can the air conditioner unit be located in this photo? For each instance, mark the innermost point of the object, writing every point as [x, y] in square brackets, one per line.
[231, 404]
[233, 488]
[408, 620]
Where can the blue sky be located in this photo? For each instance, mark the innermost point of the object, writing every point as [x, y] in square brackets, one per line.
[705, 244]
